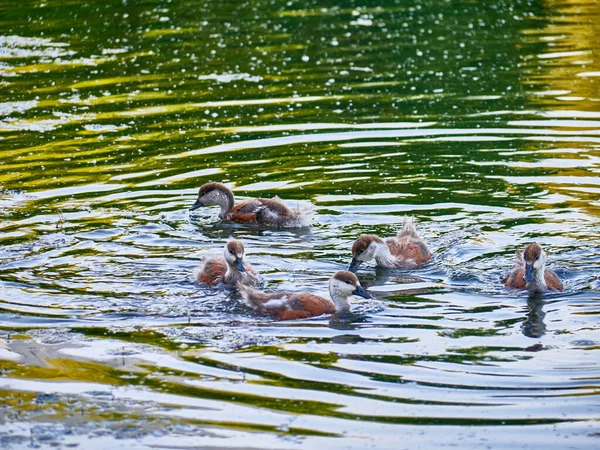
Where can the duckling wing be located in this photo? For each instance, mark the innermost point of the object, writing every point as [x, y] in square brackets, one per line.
[271, 304]
[248, 206]
[301, 306]
[295, 314]
[245, 212]
[257, 204]
[552, 281]
[211, 271]
[242, 217]
[286, 305]
[409, 251]
[515, 279]
[272, 212]
[261, 210]
[314, 304]
[275, 212]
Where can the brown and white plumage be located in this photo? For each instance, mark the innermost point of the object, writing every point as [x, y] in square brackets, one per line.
[300, 305]
[406, 250]
[228, 269]
[272, 212]
[530, 272]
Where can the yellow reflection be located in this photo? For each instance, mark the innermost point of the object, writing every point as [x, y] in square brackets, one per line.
[568, 68]
[571, 57]
[116, 80]
[169, 32]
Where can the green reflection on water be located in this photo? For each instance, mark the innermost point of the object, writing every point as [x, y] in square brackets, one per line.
[479, 118]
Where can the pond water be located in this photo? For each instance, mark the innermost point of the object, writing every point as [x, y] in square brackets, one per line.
[479, 119]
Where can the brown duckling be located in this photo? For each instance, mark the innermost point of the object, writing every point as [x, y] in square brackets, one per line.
[407, 250]
[271, 212]
[230, 269]
[301, 305]
[530, 272]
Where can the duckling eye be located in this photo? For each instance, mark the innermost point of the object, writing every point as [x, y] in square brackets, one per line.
[231, 252]
[347, 282]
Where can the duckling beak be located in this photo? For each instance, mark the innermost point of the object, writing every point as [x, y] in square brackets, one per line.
[196, 205]
[239, 264]
[354, 264]
[361, 292]
[529, 270]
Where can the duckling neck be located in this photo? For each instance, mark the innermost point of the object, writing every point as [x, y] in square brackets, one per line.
[538, 284]
[225, 201]
[384, 258]
[341, 301]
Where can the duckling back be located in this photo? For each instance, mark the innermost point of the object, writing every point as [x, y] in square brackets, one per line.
[267, 304]
[286, 305]
[410, 249]
[275, 212]
[408, 228]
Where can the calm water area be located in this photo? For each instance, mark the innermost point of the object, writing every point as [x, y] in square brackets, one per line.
[480, 119]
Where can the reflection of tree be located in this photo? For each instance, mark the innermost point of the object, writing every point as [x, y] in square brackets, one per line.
[572, 51]
[562, 65]
[534, 326]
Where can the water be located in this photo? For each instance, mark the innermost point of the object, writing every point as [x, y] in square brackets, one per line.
[482, 120]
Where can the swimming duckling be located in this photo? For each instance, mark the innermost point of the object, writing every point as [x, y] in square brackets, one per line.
[229, 269]
[259, 210]
[530, 272]
[405, 251]
[300, 305]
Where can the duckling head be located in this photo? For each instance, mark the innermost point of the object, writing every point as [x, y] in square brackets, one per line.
[342, 285]
[214, 194]
[234, 255]
[534, 259]
[364, 249]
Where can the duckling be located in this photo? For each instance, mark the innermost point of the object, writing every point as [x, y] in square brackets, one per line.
[264, 211]
[229, 269]
[300, 305]
[406, 250]
[530, 272]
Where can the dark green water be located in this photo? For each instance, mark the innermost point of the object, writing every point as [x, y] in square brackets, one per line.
[481, 119]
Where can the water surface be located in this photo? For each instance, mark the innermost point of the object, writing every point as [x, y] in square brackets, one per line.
[479, 119]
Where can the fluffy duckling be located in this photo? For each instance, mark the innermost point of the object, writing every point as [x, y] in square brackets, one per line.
[229, 269]
[300, 305]
[404, 251]
[264, 211]
[530, 272]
